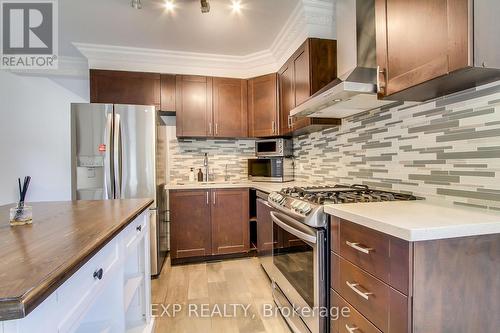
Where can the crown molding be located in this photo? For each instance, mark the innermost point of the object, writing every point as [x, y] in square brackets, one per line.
[310, 18]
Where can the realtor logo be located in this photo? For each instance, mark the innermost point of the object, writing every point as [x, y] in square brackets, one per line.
[29, 34]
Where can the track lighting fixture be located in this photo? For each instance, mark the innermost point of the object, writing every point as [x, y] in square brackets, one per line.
[136, 4]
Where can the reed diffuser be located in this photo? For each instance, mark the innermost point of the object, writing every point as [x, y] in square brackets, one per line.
[22, 214]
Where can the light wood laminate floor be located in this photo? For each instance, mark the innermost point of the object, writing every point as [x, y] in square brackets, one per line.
[239, 281]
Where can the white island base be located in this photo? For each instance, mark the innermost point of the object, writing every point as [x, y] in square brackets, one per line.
[111, 293]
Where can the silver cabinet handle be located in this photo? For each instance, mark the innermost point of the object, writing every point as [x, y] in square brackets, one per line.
[350, 329]
[207, 198]
[209, 128]
[274, 126]
[379, 71]
[213, 197]
[216, 128]
[354, 286]
[365, 250]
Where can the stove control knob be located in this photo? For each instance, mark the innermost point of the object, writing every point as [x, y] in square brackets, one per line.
[306, 209]
[301, 206]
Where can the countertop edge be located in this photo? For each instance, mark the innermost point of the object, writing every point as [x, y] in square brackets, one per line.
[417, 234]
[21, 307]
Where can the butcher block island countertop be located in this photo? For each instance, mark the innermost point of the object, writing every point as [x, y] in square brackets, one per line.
[36, 259]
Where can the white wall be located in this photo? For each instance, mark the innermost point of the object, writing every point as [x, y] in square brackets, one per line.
[35, 134]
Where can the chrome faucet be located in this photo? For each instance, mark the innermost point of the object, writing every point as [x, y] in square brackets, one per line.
[205, 164]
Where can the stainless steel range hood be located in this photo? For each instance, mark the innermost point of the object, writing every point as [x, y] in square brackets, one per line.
[355, 90]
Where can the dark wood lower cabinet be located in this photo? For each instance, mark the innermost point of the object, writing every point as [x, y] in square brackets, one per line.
[190, 230]
[394, 286]
[230, 228]
[265, 228]
[209, 222]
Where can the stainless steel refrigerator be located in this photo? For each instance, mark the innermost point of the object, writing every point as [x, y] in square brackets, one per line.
[118, 152]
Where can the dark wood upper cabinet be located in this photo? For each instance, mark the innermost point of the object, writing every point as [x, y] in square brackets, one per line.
[286, 97]
[230, 108]
[230, 214]
[190, 223]
[263, 111]
[167, 92]
[429, 48]
[309, 69]
[194, 106]
[119, 87]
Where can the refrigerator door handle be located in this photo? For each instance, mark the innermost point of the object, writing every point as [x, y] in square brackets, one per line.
[117, 155]
[108, 169]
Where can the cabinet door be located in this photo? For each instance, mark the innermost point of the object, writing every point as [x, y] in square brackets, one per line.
[230, 107]
[167, 92]
[117, 87]
[419, 40]
[302, 87]
[194, 106]
[230, 227]
[301, 75]
[264, 227]
[190, 223]
[287, 97]
[262, 106]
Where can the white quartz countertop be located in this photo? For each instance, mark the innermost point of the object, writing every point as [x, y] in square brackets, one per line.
[419, 220]
[267, 187]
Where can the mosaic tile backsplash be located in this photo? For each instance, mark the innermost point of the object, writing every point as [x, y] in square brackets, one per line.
[184, 154]
[447, 149]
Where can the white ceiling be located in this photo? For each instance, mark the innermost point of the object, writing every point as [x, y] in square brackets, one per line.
[116, 23]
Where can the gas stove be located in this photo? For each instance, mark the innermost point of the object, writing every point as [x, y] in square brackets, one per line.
[305, 204]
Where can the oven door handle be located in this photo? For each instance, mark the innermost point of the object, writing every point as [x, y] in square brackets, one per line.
[287, 225]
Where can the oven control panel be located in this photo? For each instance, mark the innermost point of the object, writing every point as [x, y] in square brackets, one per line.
[297, 206]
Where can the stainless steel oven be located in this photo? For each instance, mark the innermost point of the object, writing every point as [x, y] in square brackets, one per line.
[299, 277]
[270, 169]
[278, 147]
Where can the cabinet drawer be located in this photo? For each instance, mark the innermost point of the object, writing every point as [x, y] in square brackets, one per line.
[355, 322]
[385, 307]
[382, 255]
[76, 295]
[367, 294]
[134, 232]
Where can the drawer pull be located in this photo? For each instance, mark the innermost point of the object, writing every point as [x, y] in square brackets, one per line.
[139, 228]
[357, 291]
[365, 250]
[98, 274]
[350, 329]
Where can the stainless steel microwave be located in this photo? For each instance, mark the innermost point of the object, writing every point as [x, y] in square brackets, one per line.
[274, 147]
[270, 169]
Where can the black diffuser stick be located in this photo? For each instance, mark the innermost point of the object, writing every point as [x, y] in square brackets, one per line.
[22, 195]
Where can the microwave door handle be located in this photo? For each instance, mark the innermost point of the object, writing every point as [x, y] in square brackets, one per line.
[288, 227]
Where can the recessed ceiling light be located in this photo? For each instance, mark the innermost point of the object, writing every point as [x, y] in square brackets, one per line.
[169, 5]
[236, 5]
[136, 4]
